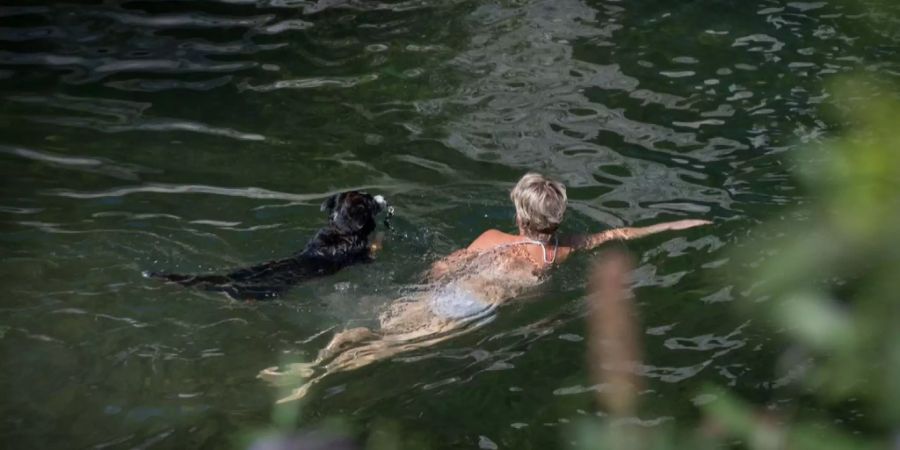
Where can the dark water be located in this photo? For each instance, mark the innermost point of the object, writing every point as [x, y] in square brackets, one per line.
[188, 135]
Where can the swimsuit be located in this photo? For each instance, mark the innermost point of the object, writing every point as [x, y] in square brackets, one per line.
[543, 247]
[454, 301]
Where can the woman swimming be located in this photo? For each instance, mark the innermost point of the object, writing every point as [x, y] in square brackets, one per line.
[466, 287]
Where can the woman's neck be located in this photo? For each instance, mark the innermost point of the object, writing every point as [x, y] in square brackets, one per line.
[539, 237]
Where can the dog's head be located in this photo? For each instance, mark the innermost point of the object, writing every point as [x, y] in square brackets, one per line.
[354, 212]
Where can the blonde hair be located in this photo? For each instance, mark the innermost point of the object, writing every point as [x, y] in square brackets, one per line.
[540, 205]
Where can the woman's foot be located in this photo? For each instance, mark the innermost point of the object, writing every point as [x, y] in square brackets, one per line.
[289, 375]
[344, 340]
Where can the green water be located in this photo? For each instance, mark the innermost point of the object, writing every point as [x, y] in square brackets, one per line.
[192, 136]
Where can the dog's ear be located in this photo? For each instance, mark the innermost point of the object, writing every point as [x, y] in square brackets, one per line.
[329, 204]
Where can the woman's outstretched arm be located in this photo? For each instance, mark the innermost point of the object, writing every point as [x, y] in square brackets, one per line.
[593, 240]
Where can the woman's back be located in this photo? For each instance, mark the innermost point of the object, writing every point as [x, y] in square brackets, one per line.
[469, 290]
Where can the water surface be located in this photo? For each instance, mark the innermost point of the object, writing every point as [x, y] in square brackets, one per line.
[193, 136]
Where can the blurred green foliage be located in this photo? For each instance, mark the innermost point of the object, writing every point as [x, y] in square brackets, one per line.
[829, 289]
[832, 285]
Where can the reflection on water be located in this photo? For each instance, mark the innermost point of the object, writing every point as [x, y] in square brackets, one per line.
[201, 135]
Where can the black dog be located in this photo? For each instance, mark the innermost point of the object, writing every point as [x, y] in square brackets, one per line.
[343, 242]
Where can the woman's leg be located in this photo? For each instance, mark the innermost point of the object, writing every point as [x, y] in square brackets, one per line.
[294, 371]
[343, 340]
[405, 326]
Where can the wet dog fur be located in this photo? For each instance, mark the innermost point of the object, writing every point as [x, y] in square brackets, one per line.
[341, 243]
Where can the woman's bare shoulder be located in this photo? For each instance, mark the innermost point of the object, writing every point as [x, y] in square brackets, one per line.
[567, 245]
[489, 239]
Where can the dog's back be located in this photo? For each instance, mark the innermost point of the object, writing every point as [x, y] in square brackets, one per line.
[343, 242]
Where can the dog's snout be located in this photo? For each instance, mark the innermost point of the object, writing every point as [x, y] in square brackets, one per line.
[383, 204]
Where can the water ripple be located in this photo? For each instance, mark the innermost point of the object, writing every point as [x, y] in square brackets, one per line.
[159, 188]
[120, 116]
[312, 83]
[82, 163]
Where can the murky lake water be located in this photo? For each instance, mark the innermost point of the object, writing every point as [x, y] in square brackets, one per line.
[196, 136]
